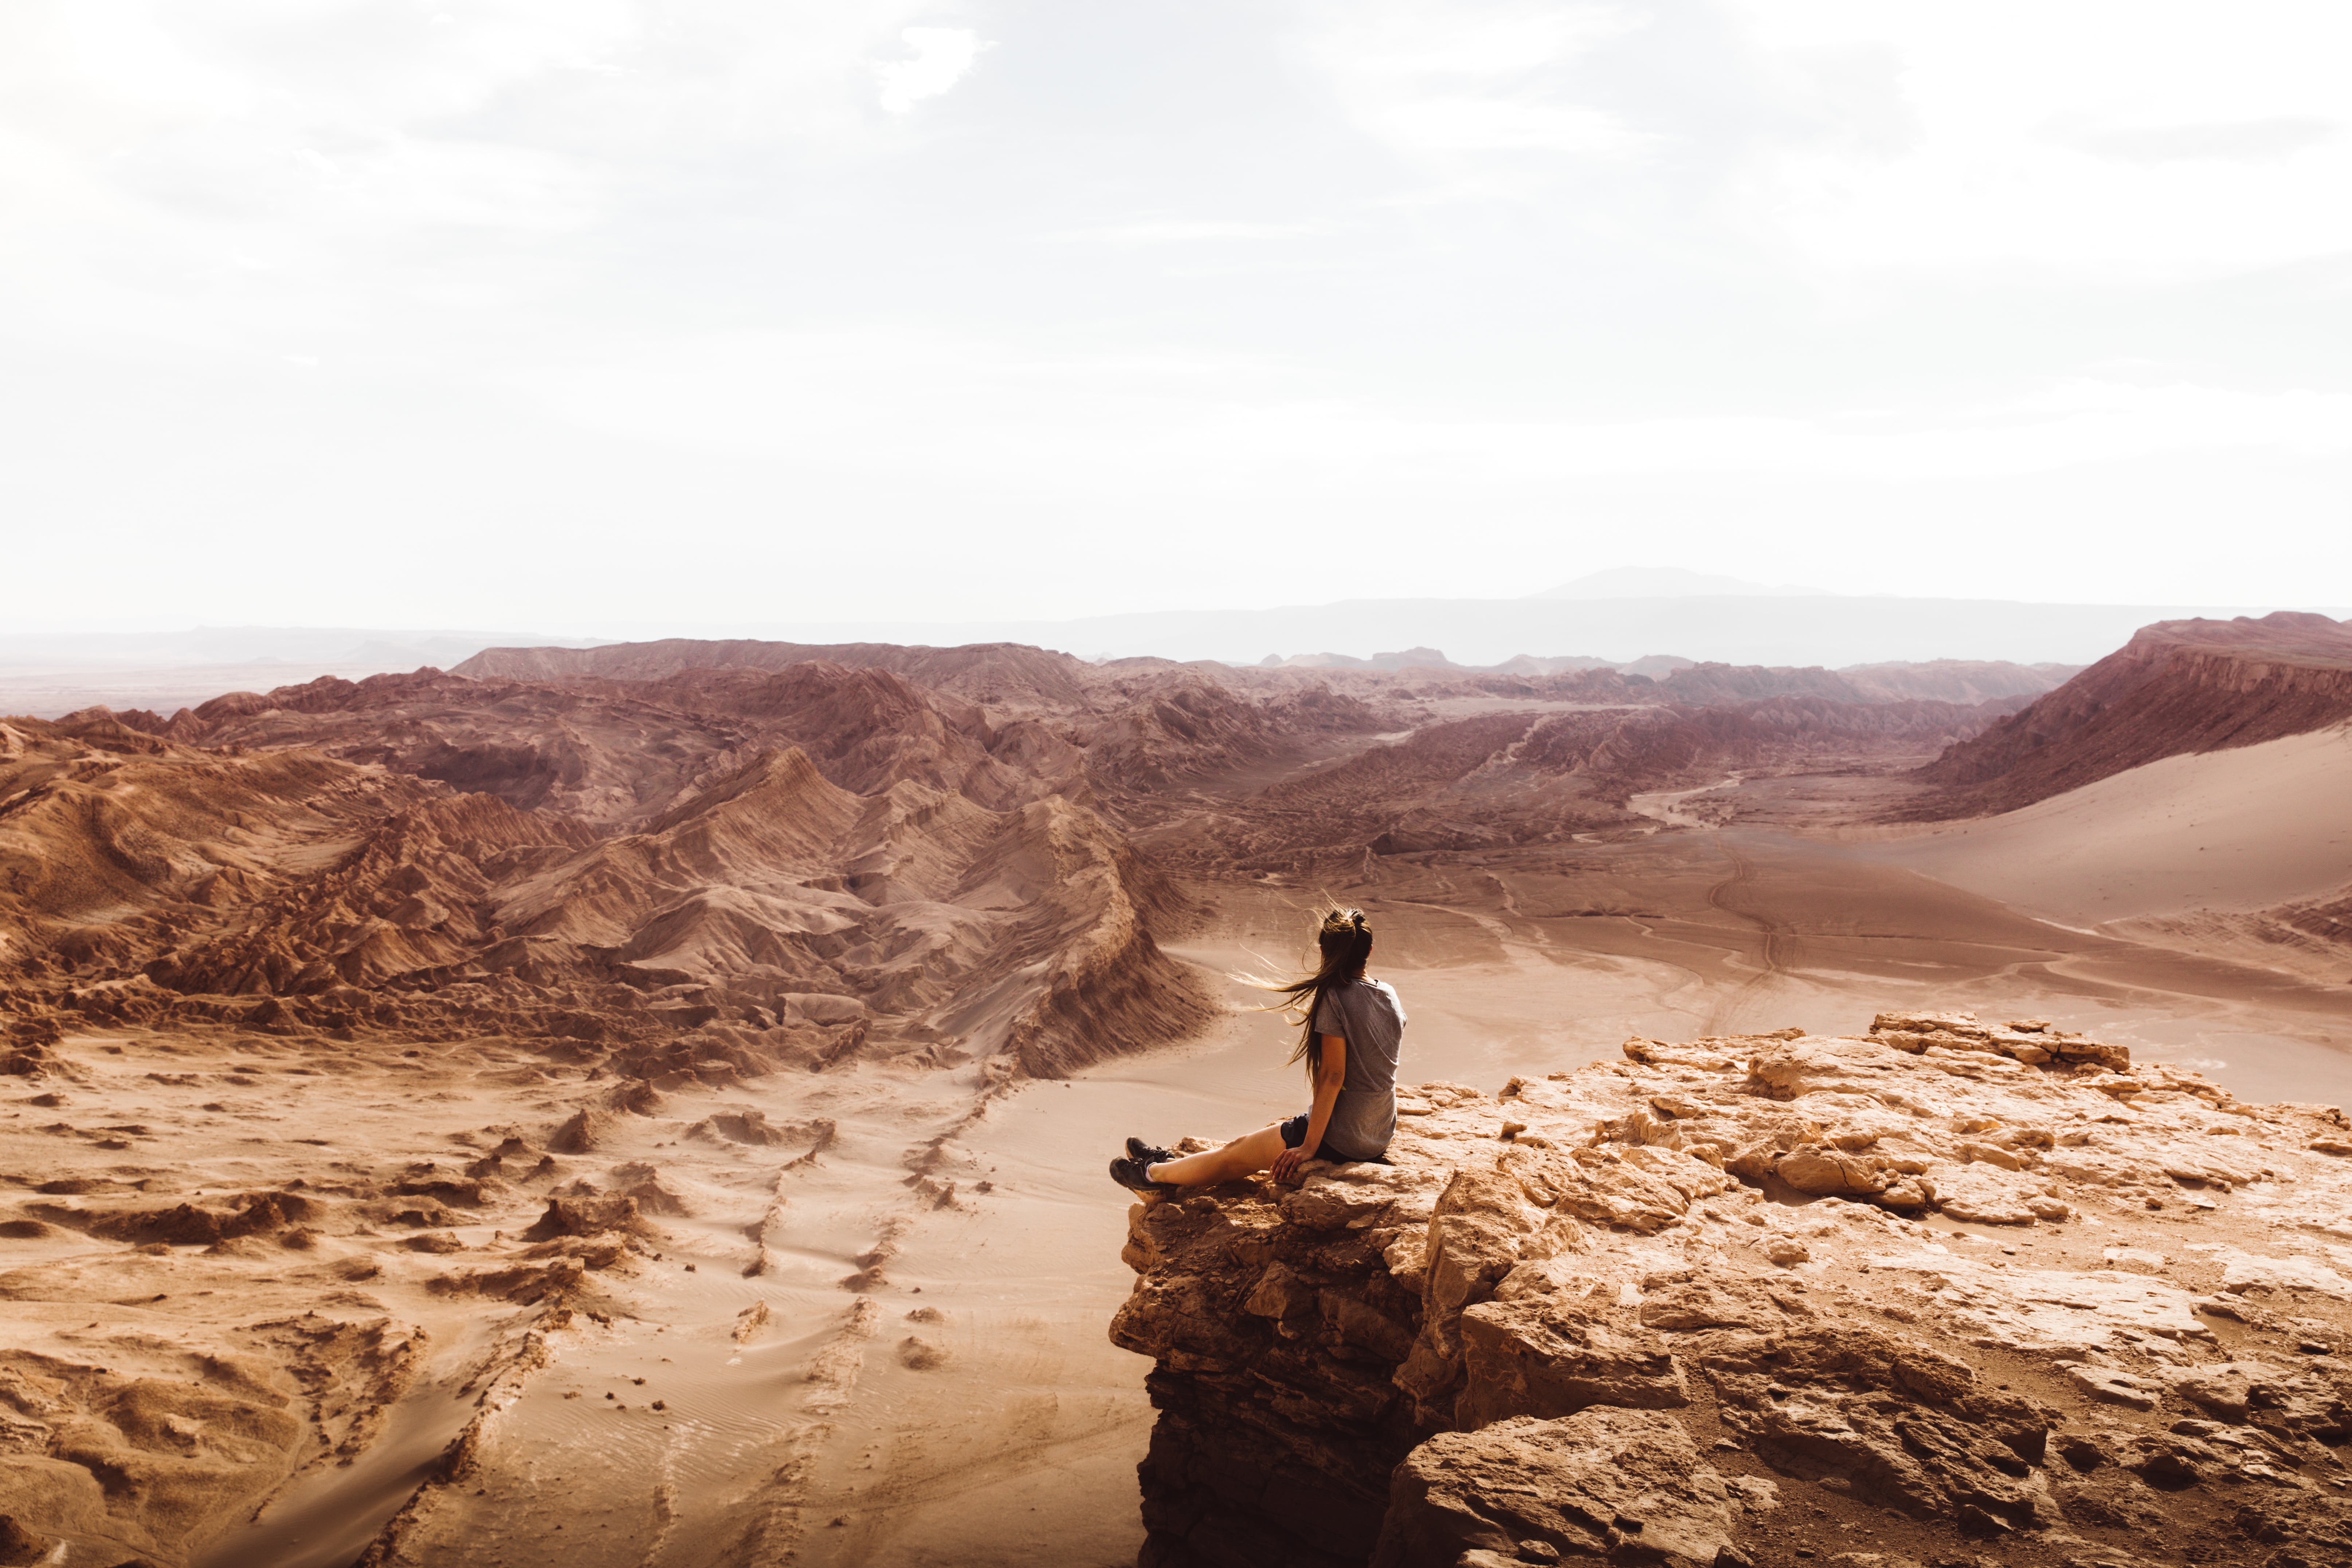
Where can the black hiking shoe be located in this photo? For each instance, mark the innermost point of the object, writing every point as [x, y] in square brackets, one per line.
[1130, 1174]
[1149, 1153]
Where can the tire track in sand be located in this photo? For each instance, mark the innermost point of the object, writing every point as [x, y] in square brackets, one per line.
[1777, 949]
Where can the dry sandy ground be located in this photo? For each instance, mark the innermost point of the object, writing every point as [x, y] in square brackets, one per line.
[2241, 829]
[965, 1407]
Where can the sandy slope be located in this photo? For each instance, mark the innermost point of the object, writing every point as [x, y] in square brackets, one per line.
[2235, 829]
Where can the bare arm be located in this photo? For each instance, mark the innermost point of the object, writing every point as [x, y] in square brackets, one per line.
[1331, 1074]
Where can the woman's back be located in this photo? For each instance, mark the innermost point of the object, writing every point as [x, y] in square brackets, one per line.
[1369, 1015]
[1353, 1116]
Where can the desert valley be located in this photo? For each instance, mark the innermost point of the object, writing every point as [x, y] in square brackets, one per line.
[648, 1104]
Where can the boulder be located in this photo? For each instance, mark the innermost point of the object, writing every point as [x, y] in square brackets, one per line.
[2221, 1389]
[583, 1132]
[1620, 1486]
[2111, 1499]
[2246, 1274]
[19, 1546]
[1814, 1065]
[2029, 1041]
[1473, 1239]
[1324, 1201]
[584, 1216]
[2059, 1313]
[1833, 1173]
[1637, 1187]
[2112, 1385]
[1547, 1357]
[1891, 1421]
[1987, 1194]
[2296, 1527]
[1712, 1301]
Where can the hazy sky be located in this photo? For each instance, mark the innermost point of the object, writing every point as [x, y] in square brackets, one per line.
[570, 313]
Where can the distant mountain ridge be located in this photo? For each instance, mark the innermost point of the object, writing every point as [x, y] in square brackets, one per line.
[989, 671]
[969, 670]
[1544, 634]
[1771, 629]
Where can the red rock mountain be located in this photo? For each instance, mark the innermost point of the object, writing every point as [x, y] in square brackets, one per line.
[764, 914]
[987, 672]
[2176, 687]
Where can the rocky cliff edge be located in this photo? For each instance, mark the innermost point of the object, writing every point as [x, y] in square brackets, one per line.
[1945, 1289]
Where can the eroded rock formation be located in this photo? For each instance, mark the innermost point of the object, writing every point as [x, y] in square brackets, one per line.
[2176, 687]
[1937, 1284]
[768, 918]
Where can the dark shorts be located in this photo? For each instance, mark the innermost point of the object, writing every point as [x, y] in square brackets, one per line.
[1294, 1133]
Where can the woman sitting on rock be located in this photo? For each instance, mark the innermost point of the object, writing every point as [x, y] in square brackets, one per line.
[1349, 1028]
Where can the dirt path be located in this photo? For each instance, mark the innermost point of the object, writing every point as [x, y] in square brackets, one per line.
[1776, 949]
[1666, 805]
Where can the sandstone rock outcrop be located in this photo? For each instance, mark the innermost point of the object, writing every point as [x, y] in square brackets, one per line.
[1618, 1485]
[1922, 1278]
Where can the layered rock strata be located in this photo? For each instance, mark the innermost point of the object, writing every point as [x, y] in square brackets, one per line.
[1743, 1300]
[2178, 687]
[772, 920]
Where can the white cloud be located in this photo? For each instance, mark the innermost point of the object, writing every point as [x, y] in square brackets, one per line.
[389, 115]
[2238, 140]
[1470, 75]
[1182, 421]
[1414, 41]
[1187, 231]
[2157, 138]
[518, 271]
[942, 56]
[1434, 124]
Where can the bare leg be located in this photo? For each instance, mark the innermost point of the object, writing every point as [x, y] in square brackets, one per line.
[1250, 1151]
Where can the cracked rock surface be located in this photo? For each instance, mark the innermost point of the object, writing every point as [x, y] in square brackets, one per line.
[1938, 1289]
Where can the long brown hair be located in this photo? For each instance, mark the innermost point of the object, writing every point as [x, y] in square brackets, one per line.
[1345, 944]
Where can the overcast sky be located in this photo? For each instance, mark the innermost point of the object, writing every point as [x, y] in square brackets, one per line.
[577, 313]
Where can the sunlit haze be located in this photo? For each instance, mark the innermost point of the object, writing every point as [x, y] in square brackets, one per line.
[599, 313]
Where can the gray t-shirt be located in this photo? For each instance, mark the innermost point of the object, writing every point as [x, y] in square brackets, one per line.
[1367, 1016]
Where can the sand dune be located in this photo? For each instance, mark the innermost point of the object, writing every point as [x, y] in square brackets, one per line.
[2239, 830]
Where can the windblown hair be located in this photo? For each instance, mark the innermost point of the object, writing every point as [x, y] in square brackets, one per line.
[1345, 944]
